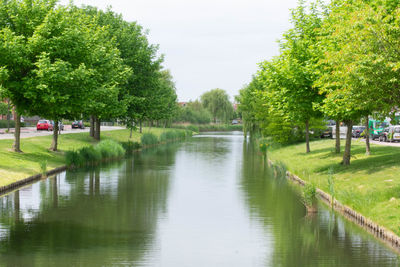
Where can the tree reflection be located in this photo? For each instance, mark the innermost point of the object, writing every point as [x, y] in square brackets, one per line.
[301, 240]
[109, 214]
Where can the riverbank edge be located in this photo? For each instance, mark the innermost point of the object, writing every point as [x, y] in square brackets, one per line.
[37, 177]
[379, 232]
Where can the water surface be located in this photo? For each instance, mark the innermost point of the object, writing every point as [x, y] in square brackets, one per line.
[208, 202]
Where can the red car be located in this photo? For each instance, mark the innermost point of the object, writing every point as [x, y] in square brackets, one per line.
[44, 125]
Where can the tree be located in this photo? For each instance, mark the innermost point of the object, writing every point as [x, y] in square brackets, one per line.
[141, 57]
[75, 60]
[297, 61]
[217, 102]
[359, 71]
[18, 22]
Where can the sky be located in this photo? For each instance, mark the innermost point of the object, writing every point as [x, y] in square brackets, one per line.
[208, 44]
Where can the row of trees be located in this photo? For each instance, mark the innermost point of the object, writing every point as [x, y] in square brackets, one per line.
[340, 61]
[65, 62]
[213, 106]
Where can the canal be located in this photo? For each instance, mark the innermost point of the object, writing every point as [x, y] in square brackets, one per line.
[206, 202]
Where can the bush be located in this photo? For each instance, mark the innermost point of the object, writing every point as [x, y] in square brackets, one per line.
[193, 128]
[163, 137]
[149, 139]
[130, 147]
[309, 194]
[74, 158]
[90, 154]
[110, 149]
[172, 135]
[3, 124]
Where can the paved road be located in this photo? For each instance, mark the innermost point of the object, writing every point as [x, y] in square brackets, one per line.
[31, 131]
[377, 142]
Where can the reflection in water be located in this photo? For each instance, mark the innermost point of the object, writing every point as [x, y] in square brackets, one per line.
[209, 202]
[324, 239]
[101, 216]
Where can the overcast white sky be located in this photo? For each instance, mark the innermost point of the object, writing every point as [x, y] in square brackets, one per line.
[208, 43]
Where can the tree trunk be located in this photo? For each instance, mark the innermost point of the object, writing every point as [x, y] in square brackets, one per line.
[17, 133]
[8, 115]
[140, 126]
[307, 136]
[92, 122]
[130, 135]
[367, 146]
[97, 131]
[337, 147]
[54, 143]
[347, 150]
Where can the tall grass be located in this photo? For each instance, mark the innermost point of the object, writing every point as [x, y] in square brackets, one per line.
[148, 139]
[106, 149]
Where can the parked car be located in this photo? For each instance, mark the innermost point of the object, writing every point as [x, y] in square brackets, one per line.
[327, 133]
[235, 122]
[60, 125]
[357, 131]
[44, 125]
[78, 124]
[383, 136]
[393, 133]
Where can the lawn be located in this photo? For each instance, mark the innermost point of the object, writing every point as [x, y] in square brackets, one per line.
[17, 166]
[370, 185]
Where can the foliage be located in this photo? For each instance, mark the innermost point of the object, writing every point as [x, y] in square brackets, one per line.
[43, 167]
[130, 146]
[194, 113]
[74, 158]
[331, 186]
[217, 103]
[4, 123]
[309, 194]
[90, 154]
[3, 108]
[110, 149]
[148, 139]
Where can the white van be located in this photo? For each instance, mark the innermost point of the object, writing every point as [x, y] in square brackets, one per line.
[394, 133]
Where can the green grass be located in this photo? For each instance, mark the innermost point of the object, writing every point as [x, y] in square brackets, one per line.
[370, 185]
[17, 166]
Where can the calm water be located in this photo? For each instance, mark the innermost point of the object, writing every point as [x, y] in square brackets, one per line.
[207, 202]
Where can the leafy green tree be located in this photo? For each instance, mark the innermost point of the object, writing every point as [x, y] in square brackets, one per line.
[193, 112]
[297, 61]
[18, 22]
[77, 65]
[141, 57]
[217, 102]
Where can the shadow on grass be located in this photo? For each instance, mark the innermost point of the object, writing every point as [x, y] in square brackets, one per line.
[380, 158]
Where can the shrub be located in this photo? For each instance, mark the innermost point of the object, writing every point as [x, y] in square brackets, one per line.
[180, 134]
[3, 124]
[90, 154]
[309, 194]
[130, 147]
[110, 149]
[149, 139]
[74, 158]
[164, 137]
[188, 133]
[171, 135]
[43, 167]
[193, 128]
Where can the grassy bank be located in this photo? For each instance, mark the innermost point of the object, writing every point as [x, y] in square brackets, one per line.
[370, 185]
[16, 166]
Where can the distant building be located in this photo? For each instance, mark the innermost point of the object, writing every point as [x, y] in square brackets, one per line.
[235, 106]
[182, 104]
